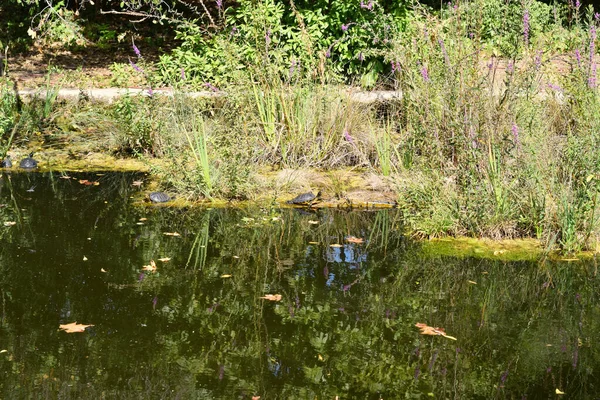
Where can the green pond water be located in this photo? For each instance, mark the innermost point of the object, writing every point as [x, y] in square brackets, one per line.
[197, 328]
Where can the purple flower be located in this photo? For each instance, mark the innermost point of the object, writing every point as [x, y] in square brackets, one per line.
[154, 302]
[141, 277]
[348, 137]
[346, 287]
[597, 16]
[491, 64]
[211, 87]
[515, 132]
[268, 37]
[526, 27]
[345, 27]
[361, 56]
[182, 74]
[328, 53]
[577, 4]
[368, 6]
[510, 68]
[150, 92]
[136, 50]
[395, 66]
[219, 4]
[592, 77]
[555, 87]
[134, 66]
[538, 59]
[578, 57]
[425, 74]
[444, 52]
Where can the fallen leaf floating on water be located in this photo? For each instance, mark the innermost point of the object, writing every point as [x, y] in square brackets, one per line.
[226, 276]
[472, 282]
[73, 327]
[428, 330]
[558, 391]
[171, 234]
[89, 183]
[255, 397]
[151, 267]
[143, 219]
[313, 242]
[65, 177]
[335, 245]
[10, 223]
[137, 183]
[271, 297]
[313, 222]
[85, 258]
[164, 259]
[102, 270]
[354, 239]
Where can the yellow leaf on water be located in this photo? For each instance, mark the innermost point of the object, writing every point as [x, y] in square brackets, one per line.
[226, 276]
[313, 242]
[320, 357]
[151, 267]
[558, 391]
[171, 234]
[271, 297]
[472, 282]
[73, 327]
[354, 239]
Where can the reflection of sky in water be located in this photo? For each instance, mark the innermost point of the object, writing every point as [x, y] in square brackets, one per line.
[346, 254]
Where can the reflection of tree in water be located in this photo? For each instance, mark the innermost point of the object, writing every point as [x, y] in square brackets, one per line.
[344, 326]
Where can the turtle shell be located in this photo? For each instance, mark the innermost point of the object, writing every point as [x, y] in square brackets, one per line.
[303, 198]
[6, 163]
[159, 197]
[29, 162]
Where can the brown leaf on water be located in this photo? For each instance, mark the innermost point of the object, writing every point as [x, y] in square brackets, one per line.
[151, 267]
[271, 297]
[143, 219]
[354, 239]
[255, 397]
[73, 327]
[171, 234]
[429, 330]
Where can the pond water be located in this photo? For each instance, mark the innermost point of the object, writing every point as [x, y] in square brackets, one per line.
[197, 328]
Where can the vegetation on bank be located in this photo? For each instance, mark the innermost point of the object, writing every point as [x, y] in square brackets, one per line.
[496, 134]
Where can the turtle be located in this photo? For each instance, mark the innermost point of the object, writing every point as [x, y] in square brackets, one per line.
[6, 163]
[159, 197]
[304, 198]
[28, 162]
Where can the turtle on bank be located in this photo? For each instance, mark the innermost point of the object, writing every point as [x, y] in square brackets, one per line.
[305, 198]
[159, 197]
[6, 163]
[28, 162]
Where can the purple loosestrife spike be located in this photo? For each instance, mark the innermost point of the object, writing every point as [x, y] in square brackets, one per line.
[219, 4]
[577, 4]
[150, 92]
[510, 68]
[154, 302]
[348, 137]
[597, 16]
[361, 56]
[578, 57]
[268, 37]
[136, 50]
[526, 27]
[425, 74]
[592, 77]
[345, 27]
[182, 74]
[135, 67]
[141, 277]
[538, 59]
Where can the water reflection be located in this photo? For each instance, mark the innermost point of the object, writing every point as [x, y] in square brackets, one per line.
[198, 328]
